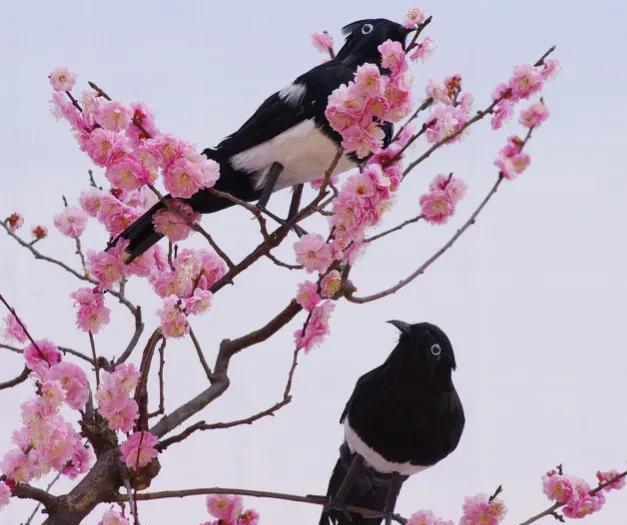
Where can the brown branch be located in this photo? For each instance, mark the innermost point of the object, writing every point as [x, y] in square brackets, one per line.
[24, 491]
[139, 328]
[279, 262]
[395, 229]
[92, 345]
[201, 356]
[34, 513]
[16, 380]
[161, 409]
[314, 500]
[421, 269]
[141, 390]
[63, 349]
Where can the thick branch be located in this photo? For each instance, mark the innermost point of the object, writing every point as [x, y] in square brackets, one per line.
[24, 491]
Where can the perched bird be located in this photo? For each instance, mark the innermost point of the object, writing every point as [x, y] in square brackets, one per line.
[288, 140]
[402, 417]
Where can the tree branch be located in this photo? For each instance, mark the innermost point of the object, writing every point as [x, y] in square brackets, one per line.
[16, 380]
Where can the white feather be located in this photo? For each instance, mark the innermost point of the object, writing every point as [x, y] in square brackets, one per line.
[303, 150]
[293, 94]
[373, 458]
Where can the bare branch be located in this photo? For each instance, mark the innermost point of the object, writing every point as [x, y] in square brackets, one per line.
[201, 356]
[24, 491]
[395, 229]
[16, 380]
[34, 513]
[139, 328]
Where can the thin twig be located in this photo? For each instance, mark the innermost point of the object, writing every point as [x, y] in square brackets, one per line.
[16, 380]
[161, 409]
[92, 345]
[201, 356]
[395, 229]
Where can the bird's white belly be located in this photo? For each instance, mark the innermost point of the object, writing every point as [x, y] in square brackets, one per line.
[304, 152]
[373, 458]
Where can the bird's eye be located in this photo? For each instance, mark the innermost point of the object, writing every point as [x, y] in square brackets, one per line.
[366, 28]
[436, 350]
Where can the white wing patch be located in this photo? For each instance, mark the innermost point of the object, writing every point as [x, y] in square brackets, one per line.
[373, 458]
[293, 94]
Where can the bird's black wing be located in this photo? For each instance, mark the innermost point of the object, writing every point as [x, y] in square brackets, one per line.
[366, 387]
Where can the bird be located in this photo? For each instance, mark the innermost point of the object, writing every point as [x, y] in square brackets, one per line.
[402, 417]
[287, 141]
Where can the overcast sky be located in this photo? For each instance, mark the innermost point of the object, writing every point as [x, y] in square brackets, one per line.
[532, 297]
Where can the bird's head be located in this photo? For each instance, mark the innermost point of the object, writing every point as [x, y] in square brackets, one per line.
[365, 36]
[424, 351]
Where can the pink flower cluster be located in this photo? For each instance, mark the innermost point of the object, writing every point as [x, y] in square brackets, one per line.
[534, 115]
[414, 18]
[5, 494]
[426, 517]
[13, 330]
[92, 314]
[526, 80]
[111, 517]
[575, 493]
[512, 161]
[316, 328]
[450, 110]
[228, 510]
[139, 449]
[115, 403]
[445, 191]
[173, 222]
[356, 110]
[46, 440]
[479, 510]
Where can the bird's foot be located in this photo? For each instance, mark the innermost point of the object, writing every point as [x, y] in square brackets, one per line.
[340, 506]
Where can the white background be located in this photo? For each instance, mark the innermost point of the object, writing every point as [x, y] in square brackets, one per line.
[532, 297]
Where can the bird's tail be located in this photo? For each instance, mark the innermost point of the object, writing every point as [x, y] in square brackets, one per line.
[370, 491]
[141, 235]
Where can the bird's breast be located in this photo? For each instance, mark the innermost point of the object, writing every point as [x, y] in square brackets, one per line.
[304, 151]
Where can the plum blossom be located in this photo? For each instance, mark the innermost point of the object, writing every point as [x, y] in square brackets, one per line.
[71, 221]
[40, 357]
[13, 329]
[143, 116]
[426, 517]
[610, 475]
[106, 268]
[15, 221]
[113, 115]
[90, 201]
[534, 115]
[73, 381]
[436, 206]
[330, 284]
[414, 17]
[526, 80]
[92, 314]
[128, 174]
[581, 503]
[307, 295]
[323, 42]
[62, 79]
[113, 395]
[316, 329]
[446, 123]
[225, 507]
[111, 517]
[512, 161]
[106, 147]
[15, 465]
[313, 252]
[173, 221]
[39, 232]
[199, 302]
[557, 487]
[139, 449]
[393, 56]
[479, 510]
[248, 517]
[423, 50]
[454, 187]
[173, 320]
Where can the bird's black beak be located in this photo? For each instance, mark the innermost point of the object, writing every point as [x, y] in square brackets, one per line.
[402, 326]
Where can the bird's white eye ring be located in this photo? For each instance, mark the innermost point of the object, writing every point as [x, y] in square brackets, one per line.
[366, 28]
[436, 349]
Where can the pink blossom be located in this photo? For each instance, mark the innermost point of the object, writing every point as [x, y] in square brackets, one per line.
[5, 494]
[345, 107]
[111, 517]
[323, 42]
[438, 92]
[16, 467]
[557, 487]
[173, 320]
[224, 507]
[128, 174]
[525, 81]
[426, 517]
[106, 147]
[423, 50]
[106, 268]
[139, 449]
[51, 395]
[40, 357]
[330, 284]
[199, 302]
[79, 462]
[478, 510]
[414, 17]
[39, 232]
[363, 140]
[447, 121]
[313, 252]
[71, 221]
[513, 165]
[317, 328]
[534, 115]
[502, 113]
[114, 403]
[90, 201]
[115, 215]
[62, 79]
[13, 329]
[393, 57]
[173, 220]
[73, 381]
[113, 115]
[120, 413]
[92, 314]
[436, 206]
[581, 503]
[551, 68]
[15, 221]
[248, 517]
[307, 295]
[145, 118]
[369, 81]
[454, 187]
[610, 475]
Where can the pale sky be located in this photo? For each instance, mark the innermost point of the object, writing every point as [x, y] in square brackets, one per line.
[532, 297]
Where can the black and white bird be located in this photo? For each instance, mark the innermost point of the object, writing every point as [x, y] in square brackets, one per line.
[287, 141]
[402, 417]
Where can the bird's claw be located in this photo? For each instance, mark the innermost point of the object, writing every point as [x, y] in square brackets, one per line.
[334, 504]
